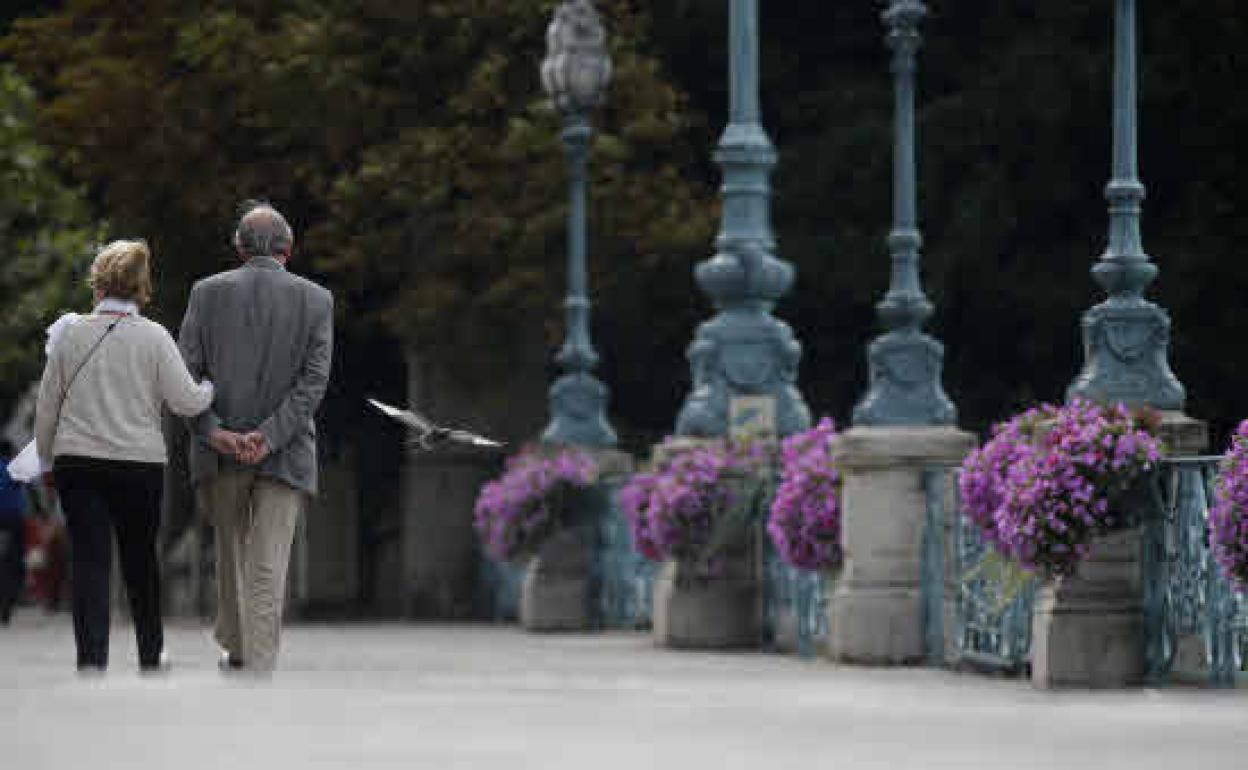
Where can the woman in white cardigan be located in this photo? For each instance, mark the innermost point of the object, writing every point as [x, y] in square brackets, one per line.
[98, 427]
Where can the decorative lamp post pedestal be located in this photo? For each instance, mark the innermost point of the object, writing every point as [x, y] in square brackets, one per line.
[1088, 630]
[720, 607]
[561, 584]
[875, 614]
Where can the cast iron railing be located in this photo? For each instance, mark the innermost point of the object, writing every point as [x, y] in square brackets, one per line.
[1196, 624]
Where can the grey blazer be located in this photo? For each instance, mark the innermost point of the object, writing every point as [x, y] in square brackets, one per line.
[265, 338]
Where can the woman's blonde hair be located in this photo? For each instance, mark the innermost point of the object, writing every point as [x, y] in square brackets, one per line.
[123, 270]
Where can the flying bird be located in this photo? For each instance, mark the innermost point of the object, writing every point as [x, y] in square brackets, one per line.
[429, 436]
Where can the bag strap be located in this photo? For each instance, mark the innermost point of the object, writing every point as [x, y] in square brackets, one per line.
[56, 422]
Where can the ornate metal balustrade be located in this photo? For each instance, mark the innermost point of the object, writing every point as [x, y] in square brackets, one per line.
[624, 577]
[968, 620]
[795, 606]
[498, 587]
[1197, 625]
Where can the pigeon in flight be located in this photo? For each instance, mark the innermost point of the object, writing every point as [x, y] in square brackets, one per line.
[430, 436]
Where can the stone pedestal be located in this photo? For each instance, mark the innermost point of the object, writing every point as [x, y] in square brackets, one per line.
[325, 567]
[875, 614]
[716, 606]
[1088, 629]
[560, 586]
[557, 593]
[1184, 436]
[437, 546]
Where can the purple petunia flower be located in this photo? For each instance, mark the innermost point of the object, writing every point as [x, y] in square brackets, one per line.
[517, 511]
[805, 520]
[1039, 490]
[673, 509]
[1228, 518]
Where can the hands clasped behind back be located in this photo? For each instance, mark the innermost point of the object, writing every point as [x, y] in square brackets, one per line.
[247, 448]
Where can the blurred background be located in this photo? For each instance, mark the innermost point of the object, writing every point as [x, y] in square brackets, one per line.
[413, 150]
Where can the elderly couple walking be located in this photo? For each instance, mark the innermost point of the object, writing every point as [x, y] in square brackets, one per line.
[248, 371]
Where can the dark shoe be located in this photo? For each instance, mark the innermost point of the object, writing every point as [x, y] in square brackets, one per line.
[228, 663]
[91, 670]
[161, 666]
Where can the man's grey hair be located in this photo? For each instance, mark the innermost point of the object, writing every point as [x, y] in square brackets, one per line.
[262, 231]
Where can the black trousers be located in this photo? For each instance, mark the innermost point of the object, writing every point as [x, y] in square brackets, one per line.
[103, 497]
[12, 564]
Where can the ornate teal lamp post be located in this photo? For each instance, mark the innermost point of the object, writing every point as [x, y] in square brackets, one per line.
[905, 363]
[879, 612]
[576, 72]
[1126, 338]
[744, 350]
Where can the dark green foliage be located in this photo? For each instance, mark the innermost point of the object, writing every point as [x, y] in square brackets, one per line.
[415, 152]
[46, 241]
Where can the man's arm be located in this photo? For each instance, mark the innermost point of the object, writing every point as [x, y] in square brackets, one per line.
[296, 408]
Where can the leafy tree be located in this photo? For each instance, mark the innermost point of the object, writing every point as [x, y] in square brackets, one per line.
[412, 144]
[414, 148]
[46, 234]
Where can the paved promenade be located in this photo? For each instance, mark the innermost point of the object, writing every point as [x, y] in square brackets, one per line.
[438, 697]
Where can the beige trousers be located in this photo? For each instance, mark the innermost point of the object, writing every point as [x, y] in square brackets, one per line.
[254, 518]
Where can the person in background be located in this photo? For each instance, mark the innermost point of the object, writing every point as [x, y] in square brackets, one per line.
[98, 427]
[12, 540]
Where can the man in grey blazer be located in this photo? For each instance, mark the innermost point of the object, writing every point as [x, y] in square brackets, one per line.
[265, 338]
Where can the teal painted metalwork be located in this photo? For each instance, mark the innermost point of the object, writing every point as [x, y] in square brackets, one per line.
[575, 73]
[988, 632]
[625, 578]
[794, 601]
[905, 363]
[1197, 626]
[744, 350]
[498, 590]
[1126, 338]
[936, 489]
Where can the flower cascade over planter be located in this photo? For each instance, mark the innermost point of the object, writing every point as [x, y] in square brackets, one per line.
[1046, 484]
[1228, 519]
[805, 521]
[678, 509]
[520, 509]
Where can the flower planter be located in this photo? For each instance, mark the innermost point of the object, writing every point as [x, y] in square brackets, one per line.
[560, 592]
[557, 594]
[716, 606]
[1088, 628]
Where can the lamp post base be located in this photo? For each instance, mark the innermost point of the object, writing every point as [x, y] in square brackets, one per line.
[1126, 344]
[738, 353]
[905, 389]
[578, 408]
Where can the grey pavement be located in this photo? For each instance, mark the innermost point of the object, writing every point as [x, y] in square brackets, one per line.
[418, 696]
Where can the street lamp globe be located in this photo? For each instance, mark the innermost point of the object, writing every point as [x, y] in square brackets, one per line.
[577, 68]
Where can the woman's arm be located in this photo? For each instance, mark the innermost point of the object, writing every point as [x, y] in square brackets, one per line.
[178, 389]
[50, 391]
